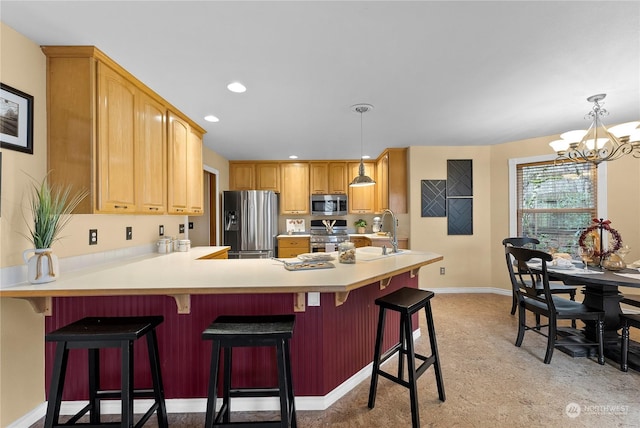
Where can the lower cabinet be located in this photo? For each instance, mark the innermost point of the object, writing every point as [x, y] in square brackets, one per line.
[291, 246]
[360, 241]
[222, 254]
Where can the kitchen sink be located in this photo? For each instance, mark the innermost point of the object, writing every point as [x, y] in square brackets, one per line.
[375, 253]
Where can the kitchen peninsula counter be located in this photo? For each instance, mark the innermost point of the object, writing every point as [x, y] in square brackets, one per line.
[180, 274]
[334, 336]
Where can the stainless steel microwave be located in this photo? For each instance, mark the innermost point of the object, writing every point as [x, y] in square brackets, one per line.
[328, 204]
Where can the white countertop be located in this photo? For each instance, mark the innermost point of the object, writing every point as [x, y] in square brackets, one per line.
[182, 272]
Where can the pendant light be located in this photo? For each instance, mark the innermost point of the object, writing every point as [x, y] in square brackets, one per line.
[361, 180]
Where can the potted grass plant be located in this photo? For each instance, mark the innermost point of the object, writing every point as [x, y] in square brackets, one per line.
[360, 226]
[51, 206]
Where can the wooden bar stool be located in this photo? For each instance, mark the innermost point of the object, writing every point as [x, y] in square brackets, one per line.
[228, 332]
[94, 334]
[406, 301]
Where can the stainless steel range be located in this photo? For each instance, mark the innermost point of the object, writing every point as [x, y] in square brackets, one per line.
[325, 232]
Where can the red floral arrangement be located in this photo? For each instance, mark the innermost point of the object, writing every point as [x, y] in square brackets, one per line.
[601, 225]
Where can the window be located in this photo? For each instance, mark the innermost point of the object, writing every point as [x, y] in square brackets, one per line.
[555, 202]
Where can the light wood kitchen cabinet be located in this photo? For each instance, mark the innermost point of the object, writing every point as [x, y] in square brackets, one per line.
[328, 178]
[403, 243]
[106, 133]
[241, 176]
[338, 181]
[292, 246]
[362, 199]
[116, 142]
[391, 180]
[294, 196]
[254, 176]
[152, 157]
[218, 255]
[268, 176]
[319, 178]
[185, 168]
[360, 241]
[195, 174]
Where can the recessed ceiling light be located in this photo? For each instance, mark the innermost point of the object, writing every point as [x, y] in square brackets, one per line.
[211, 118]
[236, 87]
[366, 157]
[293, 157]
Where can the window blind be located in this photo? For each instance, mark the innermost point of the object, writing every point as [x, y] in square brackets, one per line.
[556, 202]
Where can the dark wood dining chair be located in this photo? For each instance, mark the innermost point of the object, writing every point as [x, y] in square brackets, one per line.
[628, 320]
[555, 287]
[548, 305]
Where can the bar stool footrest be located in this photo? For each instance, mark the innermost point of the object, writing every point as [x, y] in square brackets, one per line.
[254, 392]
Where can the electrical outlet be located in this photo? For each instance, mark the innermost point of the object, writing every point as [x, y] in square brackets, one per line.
[181, 228]
[161, 230]
[93, 236]
[190, 225]
[441, 271]
[129, 233]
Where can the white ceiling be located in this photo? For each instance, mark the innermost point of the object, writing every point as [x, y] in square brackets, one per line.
[437, 73]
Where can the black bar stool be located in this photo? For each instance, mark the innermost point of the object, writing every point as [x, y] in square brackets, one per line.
[406, 301]
[228, 332]
[94, 334]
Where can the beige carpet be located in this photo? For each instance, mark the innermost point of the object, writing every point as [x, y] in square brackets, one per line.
[488, 381]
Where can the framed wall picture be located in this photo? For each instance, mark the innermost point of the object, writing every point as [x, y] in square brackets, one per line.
[16, 119]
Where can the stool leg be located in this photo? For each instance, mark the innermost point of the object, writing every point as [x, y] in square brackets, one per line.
[226, 397]
[405, 321]
[126, 375]
[213, 385]
[156, 377]
[376, 359]
[402, 352]
[282, 385]
[94, 385]
[434, 351]
[291, 395]
[57, 384]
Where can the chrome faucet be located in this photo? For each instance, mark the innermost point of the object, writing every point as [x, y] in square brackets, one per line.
[394, 236]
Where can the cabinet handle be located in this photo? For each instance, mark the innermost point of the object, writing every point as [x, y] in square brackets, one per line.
[120, 206]
[153, 208]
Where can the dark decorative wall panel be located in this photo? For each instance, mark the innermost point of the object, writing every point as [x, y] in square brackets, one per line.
[459, 178]
[460, 216]
[434, 198]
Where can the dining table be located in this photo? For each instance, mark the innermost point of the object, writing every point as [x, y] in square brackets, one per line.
[600, 288]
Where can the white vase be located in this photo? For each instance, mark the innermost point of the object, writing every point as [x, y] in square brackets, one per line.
[42, 266]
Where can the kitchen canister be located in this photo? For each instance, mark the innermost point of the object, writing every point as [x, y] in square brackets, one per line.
[164, 245]
[347, 252]
[184, 245]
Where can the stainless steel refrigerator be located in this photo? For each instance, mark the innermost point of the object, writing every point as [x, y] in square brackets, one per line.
[250, 223]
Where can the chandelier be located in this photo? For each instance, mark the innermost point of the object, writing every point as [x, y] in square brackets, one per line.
[598, 144]
[361, 179]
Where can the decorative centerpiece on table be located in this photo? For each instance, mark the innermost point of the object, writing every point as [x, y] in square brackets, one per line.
[360, 226]
[51, 207]
[592, 237]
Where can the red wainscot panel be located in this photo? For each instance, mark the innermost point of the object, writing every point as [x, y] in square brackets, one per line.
[330, 344]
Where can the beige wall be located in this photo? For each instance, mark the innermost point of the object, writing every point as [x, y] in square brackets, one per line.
[462, 254]
[23, 66]
[21, 345]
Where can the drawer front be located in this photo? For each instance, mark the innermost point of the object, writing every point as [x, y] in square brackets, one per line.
[287, 253]
[294, 242]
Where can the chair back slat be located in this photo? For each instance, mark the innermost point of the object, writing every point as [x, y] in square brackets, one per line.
[524, 280]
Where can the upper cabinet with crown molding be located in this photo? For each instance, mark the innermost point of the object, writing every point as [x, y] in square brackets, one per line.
[107, 133]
